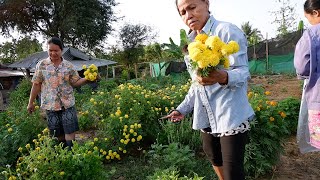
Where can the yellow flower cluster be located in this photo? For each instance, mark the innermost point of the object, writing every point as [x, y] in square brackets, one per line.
[210, 51]
[91, 72]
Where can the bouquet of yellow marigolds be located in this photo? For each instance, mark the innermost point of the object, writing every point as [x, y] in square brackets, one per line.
[209, 52]
[90, 73]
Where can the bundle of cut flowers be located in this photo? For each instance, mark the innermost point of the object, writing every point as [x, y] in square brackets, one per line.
[210, 52]
[90, 73]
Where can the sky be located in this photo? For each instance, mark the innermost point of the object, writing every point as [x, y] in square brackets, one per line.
[164, 19]
[162, 15]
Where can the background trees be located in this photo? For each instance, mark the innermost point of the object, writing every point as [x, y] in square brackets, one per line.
[18, 49]
[79, 23]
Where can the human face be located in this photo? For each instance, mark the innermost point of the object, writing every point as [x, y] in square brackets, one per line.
[194, 13]
[54, 52]
[314, 17]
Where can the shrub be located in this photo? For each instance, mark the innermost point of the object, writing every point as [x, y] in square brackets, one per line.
[44, 158]
[291, 107]
[171, 174]
[173, 155]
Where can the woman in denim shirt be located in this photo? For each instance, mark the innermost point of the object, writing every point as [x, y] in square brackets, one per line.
[219, 102]
[307, 64]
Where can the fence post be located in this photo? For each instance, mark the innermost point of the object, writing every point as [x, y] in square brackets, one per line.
[267, 54]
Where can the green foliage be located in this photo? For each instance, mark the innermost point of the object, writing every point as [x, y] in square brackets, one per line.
[254, 35]
[180, 133]
[44, 158]
[291, 107]
[17, 127]
[18, 49]
[285, 17]
[82, 23]
[173, 155]
[171, 174]
[268, 131]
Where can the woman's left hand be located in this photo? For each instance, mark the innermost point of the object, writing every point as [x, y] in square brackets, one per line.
[215, 76]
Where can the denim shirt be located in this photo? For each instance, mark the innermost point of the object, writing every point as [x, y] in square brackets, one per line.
[307, 64]
[221, 107]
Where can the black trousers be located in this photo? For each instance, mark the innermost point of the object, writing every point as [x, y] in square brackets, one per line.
[226, 151]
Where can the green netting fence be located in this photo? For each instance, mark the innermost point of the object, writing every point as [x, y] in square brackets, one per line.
[275, 64]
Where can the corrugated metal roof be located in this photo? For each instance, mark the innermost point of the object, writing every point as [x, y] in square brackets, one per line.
[73, 55]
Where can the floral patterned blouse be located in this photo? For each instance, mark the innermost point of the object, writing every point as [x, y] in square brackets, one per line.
[56, 89]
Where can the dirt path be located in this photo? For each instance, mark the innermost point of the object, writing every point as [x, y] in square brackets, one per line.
[293, 165]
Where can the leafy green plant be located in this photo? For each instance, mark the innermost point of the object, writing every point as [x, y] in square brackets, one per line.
[172, 155]
[268, 130]
[179, 133]
[171, 174]
[291, 107]
[44, 158]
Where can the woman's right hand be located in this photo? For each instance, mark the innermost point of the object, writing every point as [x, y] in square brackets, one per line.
[174, 116]
[31, 108]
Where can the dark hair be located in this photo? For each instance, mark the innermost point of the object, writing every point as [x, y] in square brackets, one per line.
[56, 41]
[311, 5]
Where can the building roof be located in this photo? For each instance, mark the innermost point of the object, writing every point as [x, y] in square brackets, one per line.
[10, 73]
[75, 56]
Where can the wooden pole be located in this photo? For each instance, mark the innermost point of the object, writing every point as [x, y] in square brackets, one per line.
[267, 54]
[136, 70]
[113, 72]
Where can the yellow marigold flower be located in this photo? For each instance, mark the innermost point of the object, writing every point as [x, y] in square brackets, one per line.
[127, 136]
[104, 152]
[273, 103]
[139, 125]
[226, 63]
[95, 139]
[96, 148]
[20, 149]
[135, 133]
[139, 138]
[124, 151]
[131, 126]
[114, 153]
[28, 146]
[214, 42]
[122, 140]
[267, 93]
[107, 157]
[10, 130]
[38, 148]
[12, 178]
[36, 107]
[250, 94]
[118, 156]
[118, 113]
[283, 114]
[131, 131]
[126, 116]
[235, 46]
[84, 67]
[271, 119]
[120, 149]
[258, 109]
[7, 125]
[125, 142]
[92, 100]
[201, 38]
[125, 126]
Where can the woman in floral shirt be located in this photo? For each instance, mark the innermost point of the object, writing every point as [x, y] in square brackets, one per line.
[55, 78]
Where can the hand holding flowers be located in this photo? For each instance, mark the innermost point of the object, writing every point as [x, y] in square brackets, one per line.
[90, 73]
[209, 52]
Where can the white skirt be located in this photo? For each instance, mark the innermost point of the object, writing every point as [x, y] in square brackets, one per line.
[303, 134]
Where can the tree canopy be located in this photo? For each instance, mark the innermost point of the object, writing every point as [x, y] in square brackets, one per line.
[253, 34]
[80, 23]
[18, 49]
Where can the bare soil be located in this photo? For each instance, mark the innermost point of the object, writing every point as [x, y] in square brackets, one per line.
[292, 165]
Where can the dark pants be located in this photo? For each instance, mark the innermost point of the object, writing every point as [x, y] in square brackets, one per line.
[62, 122]
[226, 151]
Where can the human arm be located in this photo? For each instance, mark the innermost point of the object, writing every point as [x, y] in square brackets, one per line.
[302, 56]
[79, 82]
[35, 90]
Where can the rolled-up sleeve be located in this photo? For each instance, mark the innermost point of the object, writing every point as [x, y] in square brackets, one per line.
[238, 74]
[302, 56]
[187, 104]
[38, 75]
